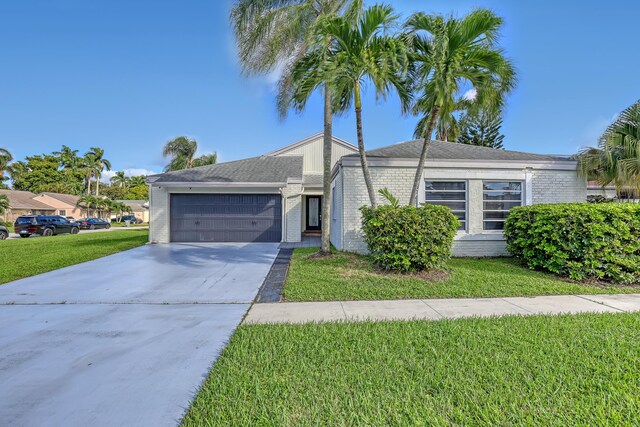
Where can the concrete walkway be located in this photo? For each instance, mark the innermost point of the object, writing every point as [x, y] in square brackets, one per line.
[435, 309]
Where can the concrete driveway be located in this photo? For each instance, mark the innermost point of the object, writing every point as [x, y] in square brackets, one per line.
[126, 339]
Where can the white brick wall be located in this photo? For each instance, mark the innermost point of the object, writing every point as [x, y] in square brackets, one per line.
[547, 186]
[158, 215]
[292, 205]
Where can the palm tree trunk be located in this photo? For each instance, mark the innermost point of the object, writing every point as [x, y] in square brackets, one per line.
[361, 150]
[423, 156]
[97, 184]
[325, 247]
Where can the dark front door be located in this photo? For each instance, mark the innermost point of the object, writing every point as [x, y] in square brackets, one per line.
[314, 213]
[226, 217]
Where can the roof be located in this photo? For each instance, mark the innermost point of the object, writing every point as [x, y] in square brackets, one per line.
[310, 139]
[24, 200]
[69, 199]
[136, 205]
[265, 169]
[439, 150]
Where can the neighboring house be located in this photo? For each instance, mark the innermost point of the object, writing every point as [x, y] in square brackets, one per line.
[479, 184]
[24, 203]
[139, 208]
[272, 198]
[277, 197]
[64, 204]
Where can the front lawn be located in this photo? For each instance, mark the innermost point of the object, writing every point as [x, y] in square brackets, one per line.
[28, 257]
[344, 276]
[542, 370]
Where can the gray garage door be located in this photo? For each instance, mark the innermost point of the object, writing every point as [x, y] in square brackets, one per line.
[226, 218]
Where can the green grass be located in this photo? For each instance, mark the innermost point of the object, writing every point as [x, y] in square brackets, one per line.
[21, 258]
[542, 371]
[345, 276]
[123, 225]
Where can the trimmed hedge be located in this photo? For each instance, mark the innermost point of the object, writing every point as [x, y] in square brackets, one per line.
[579, 240]
[409, 238]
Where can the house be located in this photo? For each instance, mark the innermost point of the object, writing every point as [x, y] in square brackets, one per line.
[272, 198]
[277, 197]
[64, 204]
[24, 203]
[139, 208]
[479, 184]
[595, 189]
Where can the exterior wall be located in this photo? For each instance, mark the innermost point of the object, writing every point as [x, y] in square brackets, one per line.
[609, 193]
[551, 186]
[59, 206]
[312, 155]
[539, 186]
[159, 208]
[337, 209]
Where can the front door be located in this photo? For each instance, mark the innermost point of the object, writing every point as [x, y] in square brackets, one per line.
[314, 214]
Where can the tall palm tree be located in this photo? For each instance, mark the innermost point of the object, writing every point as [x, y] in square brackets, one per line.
[135, 181]
[120, 179]
[451, 56]
[359, 52]
[98, 164]
[272, 35]
[182, 150]
[616, 160]
[5, 159]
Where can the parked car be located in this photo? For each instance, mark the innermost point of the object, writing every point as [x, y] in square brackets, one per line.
[71, 219]
[44, 225]
[4, 233]
[93, 223]
[125, 218]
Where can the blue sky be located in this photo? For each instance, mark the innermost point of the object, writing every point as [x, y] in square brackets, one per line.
[130, 75]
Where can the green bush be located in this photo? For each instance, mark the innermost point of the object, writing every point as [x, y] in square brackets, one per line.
[579, 240]
[409, 238]
[7, 224]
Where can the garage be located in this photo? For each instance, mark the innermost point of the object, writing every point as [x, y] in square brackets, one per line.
[226, 217]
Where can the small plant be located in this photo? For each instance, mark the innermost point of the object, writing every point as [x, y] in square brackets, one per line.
[599, 199]
[408, 238]
[579, 240]
[393, 201]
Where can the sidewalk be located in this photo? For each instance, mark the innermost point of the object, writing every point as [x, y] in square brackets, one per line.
[435, 309]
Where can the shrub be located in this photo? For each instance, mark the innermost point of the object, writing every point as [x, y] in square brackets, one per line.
[7, 224]
[579, 240]
[599, 199]
[409, 238]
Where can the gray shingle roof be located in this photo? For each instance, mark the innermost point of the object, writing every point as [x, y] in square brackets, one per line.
[255, 169]
[453, 151]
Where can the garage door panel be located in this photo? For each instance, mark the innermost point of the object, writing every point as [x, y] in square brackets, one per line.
[226, 218]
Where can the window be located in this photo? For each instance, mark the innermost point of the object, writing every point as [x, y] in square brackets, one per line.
[452, 194]
[499, 197]
[62, 212]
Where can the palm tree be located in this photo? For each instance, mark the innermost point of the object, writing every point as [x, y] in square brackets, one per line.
[360, 52]
[272, 35]
[98, 164]
[5, 158]
[88, 203]
[449, 57]
[4, 204]
[617, 158]
[120, 180]
[182, 150]
[135, 181]
[205, 160]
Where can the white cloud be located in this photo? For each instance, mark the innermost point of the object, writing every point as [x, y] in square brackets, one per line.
[470, 95]
[107, 175]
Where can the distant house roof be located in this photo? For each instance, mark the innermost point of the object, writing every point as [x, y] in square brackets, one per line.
[439, 150]
[24, 200]
[69, 199]
[136, 205]
[254, 170]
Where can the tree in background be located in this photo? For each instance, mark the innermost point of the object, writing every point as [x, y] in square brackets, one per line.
[4, 204]
[120, 179]
[182, 151]
[481, 128]
[451, 56]
[616, 159]
[39, 173]
[5, 159]
[97, 164]
[359, 52]
[272, 35]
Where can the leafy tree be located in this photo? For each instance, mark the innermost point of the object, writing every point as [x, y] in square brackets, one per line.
[616, 159]
[4, 204]
[449, 57]
[5, 159]
[137, 180]
[272, 35]
[120, 179]
[138, 192]
[481, 128]
[359, 53]
[182, 151]
[39, 173]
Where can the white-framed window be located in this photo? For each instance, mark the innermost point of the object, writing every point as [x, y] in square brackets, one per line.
[498, 199]
[452, 194]
[63, 212]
